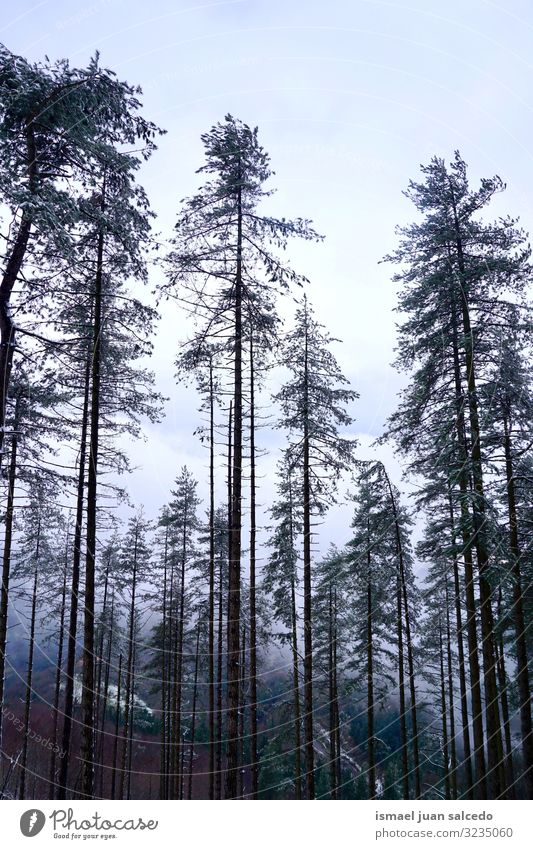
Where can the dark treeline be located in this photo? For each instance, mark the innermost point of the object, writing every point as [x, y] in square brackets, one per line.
[205, 648]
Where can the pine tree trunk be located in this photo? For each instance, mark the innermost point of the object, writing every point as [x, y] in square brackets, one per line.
[6, 560]
[218, 775]
[332, 734]
[308, 635]
[117, 723]
[98, 663]
[480, 786]
[495, 779]
[193, 717]
[409, 642]
[242, 715]
[522, 672]
[451, 699]
[106, 693]
[57, 687]
[254, 763]
[445, 755]
[131, 726]
[412, 684]
[211, 648]
[503, 684]
[125, 727]
[370, 678]
[170, 769]
[296, 689]
[218, 764]
[467, 755]
[87, 747]
[174, 740]
[129, 670]
[401, 689]
[337, 722]
[29, 678]
[179, 665]
[74, 592]
[234, 590]
[10, 276]
[163, 775]
[7, 327]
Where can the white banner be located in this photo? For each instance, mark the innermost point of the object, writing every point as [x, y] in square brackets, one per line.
[268, 824]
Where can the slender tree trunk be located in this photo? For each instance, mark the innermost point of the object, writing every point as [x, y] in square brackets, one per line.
[179, 665]
[87, 747]
[170, 769]
[98, 666]
[220, 667]
[480, 786]
[445, 755]
[57, 687]
[218, 765]
[211, 648]
[131, 725]
[408, 640]
[296, 689]
[7, 327]
[467, 755]
[29, 678]
[503, 685]
[183, 749]
[10, 276]
[254, 762]
[6, 560]
[401, 689]
[126, 726]
[370, 678]
[193, 717]
[173, 732]
[74, 592]
[522, 672]
[129, 669]
[495, 779]
[451, 698]
[117, 722]
[295, 662]
[234, 591]
[412, 686]
[163, 777]
[337, 721]
[475, 688]
[308, 635]
[106, 692]
[242, 715]
[332, 734]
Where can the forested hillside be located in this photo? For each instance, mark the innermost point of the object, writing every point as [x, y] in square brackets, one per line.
[219, 644]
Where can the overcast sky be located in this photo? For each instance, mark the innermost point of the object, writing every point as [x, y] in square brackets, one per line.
[350, 97]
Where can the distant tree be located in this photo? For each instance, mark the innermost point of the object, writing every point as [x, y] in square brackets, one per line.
[371, 556]
[279, 588]
[134, 569]
[508, 395]
[36, 561]
[313, 409]
[461, 283]
[31, 425]
[222, 268]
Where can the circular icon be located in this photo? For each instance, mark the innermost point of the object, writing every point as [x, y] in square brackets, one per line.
[32, 822]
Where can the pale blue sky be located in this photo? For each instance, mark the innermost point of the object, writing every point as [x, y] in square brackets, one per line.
[350, 97]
